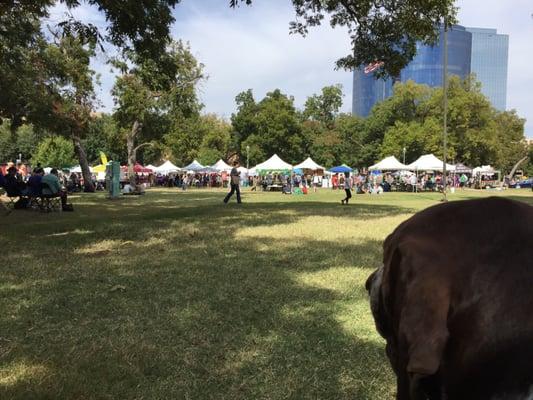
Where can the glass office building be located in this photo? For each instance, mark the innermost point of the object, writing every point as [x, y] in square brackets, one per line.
[490, 52]
[368, 91]
[469, 50]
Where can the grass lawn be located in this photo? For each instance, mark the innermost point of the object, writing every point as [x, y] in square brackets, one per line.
[174, 295]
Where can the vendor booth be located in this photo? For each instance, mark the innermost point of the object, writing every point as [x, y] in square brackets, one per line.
[166, 168]
[389, 164]
[428, 162]
[221, 166]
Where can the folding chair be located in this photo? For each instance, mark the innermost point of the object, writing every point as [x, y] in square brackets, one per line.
[2, 204]
[11, 200]
[49, 202]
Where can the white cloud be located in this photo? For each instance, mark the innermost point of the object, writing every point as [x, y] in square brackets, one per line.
[250, 47]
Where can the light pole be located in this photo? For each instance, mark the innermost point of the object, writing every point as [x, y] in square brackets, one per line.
[247, 157]
[404, 155]
[445, 107]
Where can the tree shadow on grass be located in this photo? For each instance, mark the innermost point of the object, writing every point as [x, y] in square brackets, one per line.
[193, 309]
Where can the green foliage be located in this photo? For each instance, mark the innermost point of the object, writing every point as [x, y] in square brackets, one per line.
[510, 133]
[477, 133]
[159, 103]
[243, 121]
[215, 139]
[103, 135]
[324, 107]
[268, 127]
[183, 141]
[386, 30]
[22, 142]
[141, 26]
[55, 151]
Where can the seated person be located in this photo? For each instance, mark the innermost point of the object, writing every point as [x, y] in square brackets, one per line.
[54, 188]
[13, 185]
[128, 188]
[73, 183]
[34, 183]
[377, 189]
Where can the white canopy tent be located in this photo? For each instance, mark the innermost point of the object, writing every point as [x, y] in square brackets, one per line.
[221, 165]
[274, 163]
[194, 166]
[389, 164]
[308, 163]
[484, 169]
[252, 172]
[152, 167]
[77, 169]
[243, 170]
[166, 168]
[428, 162]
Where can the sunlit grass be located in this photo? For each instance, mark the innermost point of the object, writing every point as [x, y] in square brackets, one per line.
[174, 295]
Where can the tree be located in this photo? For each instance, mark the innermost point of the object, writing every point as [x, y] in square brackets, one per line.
[23, 142]
[386, 30]
[243, 121]
[72, 93]
[324, 107]
[271, 126]
[142, 26]
[56, 152]
[351, 130]
[23, 68]
[407, 104]
[323, 144]
[215, 139]
[477, 133]
[103, 136]
[146, 93]
[510, 137]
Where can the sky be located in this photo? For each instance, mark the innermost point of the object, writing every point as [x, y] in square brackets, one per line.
[251, 48]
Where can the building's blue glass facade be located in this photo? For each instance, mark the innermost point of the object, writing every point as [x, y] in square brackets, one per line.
[369, 92]
[428, 65]
[490, 52]
[467, 52]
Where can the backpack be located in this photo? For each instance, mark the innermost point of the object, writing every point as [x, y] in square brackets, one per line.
[235, 179]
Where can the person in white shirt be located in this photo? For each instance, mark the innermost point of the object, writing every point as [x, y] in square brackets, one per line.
[347, 188]
[316, 181]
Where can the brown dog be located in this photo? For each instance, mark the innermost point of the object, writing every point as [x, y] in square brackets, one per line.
[454, 301]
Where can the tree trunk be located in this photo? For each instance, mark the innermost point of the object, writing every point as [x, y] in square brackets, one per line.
[84, 164]
[132, 150]
[511, 174]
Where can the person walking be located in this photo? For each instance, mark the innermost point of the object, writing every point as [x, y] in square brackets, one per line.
[234, 183]
[347, 188]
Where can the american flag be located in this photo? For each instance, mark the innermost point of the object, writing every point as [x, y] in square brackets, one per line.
[373, 66]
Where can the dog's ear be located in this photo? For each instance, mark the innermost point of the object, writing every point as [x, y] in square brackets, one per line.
[423, 325]
[417, 303]
[423, 317]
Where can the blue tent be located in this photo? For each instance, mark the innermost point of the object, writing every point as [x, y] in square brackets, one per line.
[341, 169]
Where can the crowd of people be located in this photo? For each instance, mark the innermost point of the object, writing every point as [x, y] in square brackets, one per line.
[17, 181]
[25, 187]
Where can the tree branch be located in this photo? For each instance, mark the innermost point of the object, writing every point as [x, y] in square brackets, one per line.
[142, 145]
